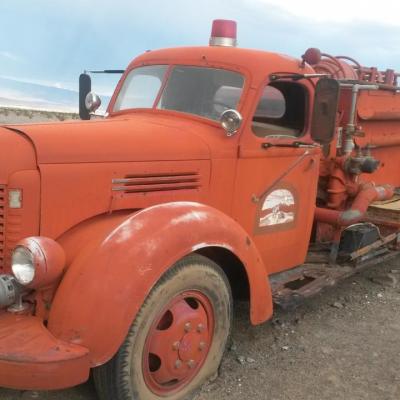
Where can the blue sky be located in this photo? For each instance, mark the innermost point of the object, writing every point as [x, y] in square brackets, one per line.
[51, 41]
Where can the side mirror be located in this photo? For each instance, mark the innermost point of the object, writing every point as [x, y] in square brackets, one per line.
[325, 108]
[231, 120]
[85, 87]
[92, 102]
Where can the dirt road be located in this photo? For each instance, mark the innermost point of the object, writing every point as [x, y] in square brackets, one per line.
[341, 345]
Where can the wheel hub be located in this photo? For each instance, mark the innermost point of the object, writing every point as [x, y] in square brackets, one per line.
[189, 348]
[178, 342]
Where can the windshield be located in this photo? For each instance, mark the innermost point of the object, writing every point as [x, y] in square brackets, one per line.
[141, 87]
[206, 92]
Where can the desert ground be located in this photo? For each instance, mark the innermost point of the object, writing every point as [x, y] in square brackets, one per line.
[343, 344]
[9, 115]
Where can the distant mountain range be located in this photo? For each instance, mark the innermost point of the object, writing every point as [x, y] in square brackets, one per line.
[15, 93]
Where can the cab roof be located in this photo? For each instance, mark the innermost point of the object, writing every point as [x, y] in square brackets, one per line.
[255, 62]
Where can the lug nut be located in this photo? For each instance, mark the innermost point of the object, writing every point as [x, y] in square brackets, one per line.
[178, 364]
[200, 328]
[188, 326]
[175, 346]
[191, 364]
[202, 346]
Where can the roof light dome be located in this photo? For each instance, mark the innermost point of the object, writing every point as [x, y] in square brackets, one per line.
[223, 33]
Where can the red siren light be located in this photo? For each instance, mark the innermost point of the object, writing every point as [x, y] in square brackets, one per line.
[223, 33]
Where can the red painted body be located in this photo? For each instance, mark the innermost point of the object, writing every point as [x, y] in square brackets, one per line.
[128, 196]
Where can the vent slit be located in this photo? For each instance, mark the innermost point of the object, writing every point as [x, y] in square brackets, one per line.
[159, 182]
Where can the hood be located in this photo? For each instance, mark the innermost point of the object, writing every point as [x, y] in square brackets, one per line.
[17, 154]
[138, 138]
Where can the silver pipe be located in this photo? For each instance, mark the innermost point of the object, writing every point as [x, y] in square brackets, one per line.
[348, 143]
[355, 90]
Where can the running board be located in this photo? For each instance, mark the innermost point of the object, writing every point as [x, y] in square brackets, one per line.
[290, 288]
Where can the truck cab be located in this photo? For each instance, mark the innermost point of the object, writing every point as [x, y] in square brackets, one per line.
[257, 173]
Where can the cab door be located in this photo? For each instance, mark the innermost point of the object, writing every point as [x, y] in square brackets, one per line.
[277, 174]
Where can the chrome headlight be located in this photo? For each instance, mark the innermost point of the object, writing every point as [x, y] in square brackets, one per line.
[22, 265]
[37, 262]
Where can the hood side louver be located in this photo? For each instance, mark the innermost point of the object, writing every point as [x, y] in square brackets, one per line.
[157, 182]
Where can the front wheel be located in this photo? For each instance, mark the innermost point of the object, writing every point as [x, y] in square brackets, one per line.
[178, 338]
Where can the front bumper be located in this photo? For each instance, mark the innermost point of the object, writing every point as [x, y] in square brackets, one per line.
[31, 358]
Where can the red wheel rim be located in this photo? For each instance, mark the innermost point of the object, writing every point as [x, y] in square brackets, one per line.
[178, 343]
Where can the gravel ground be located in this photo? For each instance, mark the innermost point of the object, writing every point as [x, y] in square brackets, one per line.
[341, 344]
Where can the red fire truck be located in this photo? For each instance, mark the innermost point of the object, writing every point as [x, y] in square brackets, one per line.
[218, 173]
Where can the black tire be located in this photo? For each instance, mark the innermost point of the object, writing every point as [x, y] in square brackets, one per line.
[122, 378]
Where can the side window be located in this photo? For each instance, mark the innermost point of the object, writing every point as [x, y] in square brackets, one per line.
[281, 110]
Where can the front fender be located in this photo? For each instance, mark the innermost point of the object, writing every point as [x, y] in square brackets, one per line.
[106, 285]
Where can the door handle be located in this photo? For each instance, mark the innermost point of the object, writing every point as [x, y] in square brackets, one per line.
[294, 144]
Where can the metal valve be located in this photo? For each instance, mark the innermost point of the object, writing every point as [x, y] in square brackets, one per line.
[10, 291]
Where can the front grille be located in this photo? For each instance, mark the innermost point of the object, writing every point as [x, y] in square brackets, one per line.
[2, 225]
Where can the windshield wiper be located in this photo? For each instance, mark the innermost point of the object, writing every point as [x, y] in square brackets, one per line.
[296, 77]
